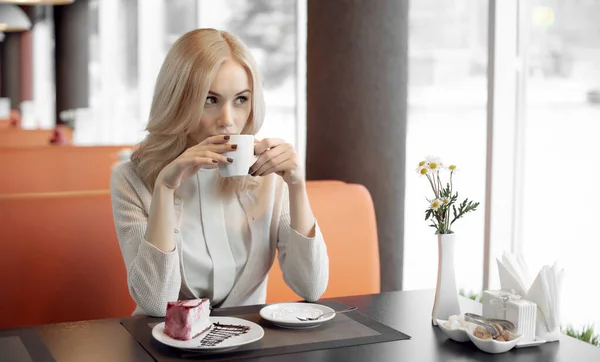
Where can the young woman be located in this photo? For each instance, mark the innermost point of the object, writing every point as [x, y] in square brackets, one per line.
[185, 232]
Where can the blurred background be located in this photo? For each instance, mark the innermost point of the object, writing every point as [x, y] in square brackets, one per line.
[507, 90]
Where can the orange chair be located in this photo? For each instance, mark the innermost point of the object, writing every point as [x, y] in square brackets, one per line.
[56, 168]
[15, 137]
[60, 260]
[346, 217]
[5, 124]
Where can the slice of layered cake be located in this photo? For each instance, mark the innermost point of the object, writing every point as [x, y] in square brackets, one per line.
[186, 319]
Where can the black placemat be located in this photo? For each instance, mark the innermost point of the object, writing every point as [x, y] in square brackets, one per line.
[344, 330]
[23, 345]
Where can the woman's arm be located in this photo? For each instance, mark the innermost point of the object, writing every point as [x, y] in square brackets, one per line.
[302, 254]
[302, 251]
[302, 219]
[161, 220]
[153, 273]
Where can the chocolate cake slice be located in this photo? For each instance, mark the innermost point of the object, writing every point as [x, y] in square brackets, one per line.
[186, 319]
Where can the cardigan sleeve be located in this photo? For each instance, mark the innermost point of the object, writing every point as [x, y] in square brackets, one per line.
[304, 261]
[153, 276]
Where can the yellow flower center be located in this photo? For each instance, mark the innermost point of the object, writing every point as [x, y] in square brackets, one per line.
[433, 165]
[423, 171]
[452, 167]
[435, 204]
[445, 202]
[421, 163]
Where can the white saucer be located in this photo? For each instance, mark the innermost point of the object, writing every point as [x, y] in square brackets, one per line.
[254, 334]
[285, 314]
[534, 343]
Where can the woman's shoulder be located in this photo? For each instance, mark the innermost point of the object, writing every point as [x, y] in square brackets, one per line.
[124, 171]
[125, 176]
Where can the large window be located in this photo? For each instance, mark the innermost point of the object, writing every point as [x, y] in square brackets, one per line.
[542, 129]
[446, 118]
[561, 116]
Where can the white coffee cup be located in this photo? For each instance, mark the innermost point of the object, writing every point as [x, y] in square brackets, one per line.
[243, 156]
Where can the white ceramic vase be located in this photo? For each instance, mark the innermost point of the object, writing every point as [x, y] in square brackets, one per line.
[446, 293]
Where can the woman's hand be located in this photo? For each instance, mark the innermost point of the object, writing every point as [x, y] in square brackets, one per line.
[207, 154]
[277, 156]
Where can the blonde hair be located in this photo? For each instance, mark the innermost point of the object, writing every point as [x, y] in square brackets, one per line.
[181, 88]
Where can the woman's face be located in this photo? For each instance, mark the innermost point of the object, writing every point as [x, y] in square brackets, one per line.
[228, 103]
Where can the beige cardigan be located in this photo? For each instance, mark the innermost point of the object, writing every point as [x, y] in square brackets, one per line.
[155, 277]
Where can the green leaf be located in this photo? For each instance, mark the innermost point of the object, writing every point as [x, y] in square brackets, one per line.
[587, 334]
[428, 214]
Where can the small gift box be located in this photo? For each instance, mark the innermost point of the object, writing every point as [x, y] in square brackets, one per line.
[495, 303]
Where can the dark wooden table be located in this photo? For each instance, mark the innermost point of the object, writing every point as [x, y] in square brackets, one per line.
[409, 312]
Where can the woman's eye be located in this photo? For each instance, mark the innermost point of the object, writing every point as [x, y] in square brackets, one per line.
[211, 100]
[241, 100]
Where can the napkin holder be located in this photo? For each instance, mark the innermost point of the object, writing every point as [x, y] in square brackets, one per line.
[544, 292]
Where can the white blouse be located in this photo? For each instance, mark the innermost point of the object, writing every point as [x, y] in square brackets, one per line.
[196, 255]
[224, 249]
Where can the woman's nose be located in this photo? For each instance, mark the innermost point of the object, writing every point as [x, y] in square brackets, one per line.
[226, 117]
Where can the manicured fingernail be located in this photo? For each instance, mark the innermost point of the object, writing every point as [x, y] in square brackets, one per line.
[229, 159]
[226, 137]
[215, 161]
[234, 147]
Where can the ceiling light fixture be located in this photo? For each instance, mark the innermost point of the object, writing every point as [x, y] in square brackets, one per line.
[13, 18]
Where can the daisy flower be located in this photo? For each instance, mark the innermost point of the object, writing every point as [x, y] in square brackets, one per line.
[421, 170]
[433, 163]
[435, 204]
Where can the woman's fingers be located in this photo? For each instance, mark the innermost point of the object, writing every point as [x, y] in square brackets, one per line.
[193, 161]
[215, 140]
[273, 162]
[281, 168]
[213, 147]
[266, 160]
[213, 155]
[266, 144]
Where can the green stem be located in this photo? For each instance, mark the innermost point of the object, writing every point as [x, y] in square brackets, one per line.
[433, 187]
[457, 216]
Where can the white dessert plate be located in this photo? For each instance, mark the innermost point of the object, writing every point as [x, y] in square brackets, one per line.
[254, 334]
[458, 335]
[286, 314]
[534, 343]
